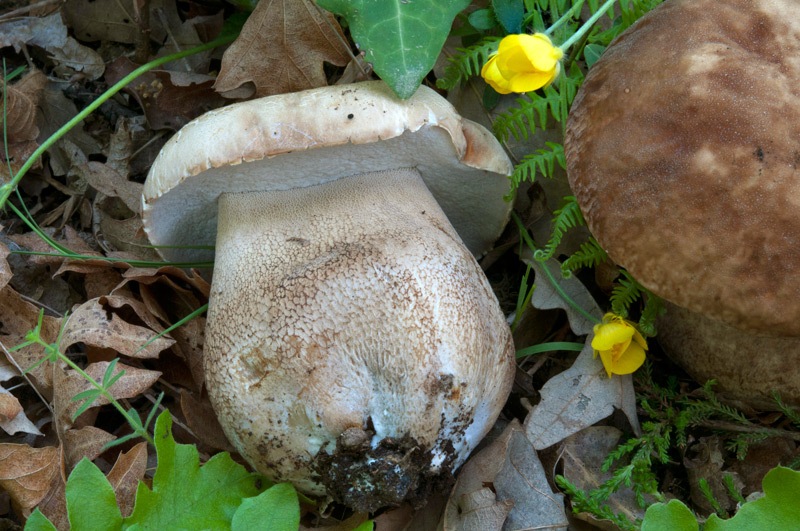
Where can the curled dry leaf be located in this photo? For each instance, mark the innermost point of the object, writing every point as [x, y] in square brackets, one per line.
[22, 98]
[504, 487]
[9, 406]
[90, 324]
[126, 474]
[5, 269]
[27, 473]
[275, 56]
[577, 398]
[12, 417]
[51, 34]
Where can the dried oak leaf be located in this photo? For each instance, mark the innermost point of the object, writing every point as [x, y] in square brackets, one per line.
[282, 47]
[27, 473]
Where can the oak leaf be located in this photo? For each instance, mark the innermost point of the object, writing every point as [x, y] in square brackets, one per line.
[282, 47]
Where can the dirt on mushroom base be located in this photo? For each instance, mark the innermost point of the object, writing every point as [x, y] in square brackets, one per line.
[395, 471]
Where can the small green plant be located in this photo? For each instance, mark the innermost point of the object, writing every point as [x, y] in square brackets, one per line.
[219, 494]
[53, 354]
[634, 463]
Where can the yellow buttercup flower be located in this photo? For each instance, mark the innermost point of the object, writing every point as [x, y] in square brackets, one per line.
[621, 347]
[523, 63]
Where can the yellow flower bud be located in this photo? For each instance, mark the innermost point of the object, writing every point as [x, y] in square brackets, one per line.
[620, 346]
[523, 63]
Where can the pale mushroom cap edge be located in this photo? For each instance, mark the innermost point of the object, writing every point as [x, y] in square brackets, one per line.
[316, 136]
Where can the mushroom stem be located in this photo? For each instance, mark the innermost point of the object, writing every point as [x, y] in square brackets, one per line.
[352, 306]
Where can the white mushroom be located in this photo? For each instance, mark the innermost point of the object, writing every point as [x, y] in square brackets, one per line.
[353, 345]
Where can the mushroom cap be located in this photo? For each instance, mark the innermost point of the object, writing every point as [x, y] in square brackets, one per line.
[708, 349]
[306, 138]
[682, 149]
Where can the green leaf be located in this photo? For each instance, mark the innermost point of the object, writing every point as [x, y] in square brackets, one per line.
[276, 509]
[85, 483]
[674, 516]
[401, 38]
[592, 53]
[39, 522]
[510, 14]
[186, 495]
[482, 19]
[778, 509]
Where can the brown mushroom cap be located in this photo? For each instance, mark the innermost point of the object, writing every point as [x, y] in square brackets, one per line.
[302, 139]
[683, 148]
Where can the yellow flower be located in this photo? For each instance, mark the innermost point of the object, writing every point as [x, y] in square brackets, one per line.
[620, 346]
[523, 63]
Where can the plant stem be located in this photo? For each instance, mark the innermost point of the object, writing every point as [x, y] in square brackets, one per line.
[8, 188]
[587, 26]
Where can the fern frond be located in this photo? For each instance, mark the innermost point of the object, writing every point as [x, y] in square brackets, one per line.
[625, 293]
[653, 309]
[543, 161]
[467, 63]
[588, 255]
[529, 113]
[566, 217]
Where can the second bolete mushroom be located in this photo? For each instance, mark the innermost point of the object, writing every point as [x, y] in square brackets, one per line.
[683, 147]
[353, 345]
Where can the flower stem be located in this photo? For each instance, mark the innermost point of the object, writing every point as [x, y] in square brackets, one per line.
[587, 26]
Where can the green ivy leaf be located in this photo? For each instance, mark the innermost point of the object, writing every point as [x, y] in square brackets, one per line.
[185, 495]
[401, 38]
[277, 508]
[778, 509]
[87, 482]
[673, 515]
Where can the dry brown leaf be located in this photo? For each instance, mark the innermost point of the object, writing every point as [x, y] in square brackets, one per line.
[9, 406]
[54, 503]
[108, 181]
[202, 420]
[166, 104]
[520, 496]
[282, 47]
[126, 474]
[27, 473]
[22, 99]
[51, 34]
[19, 317]
[90, 324]
[56, 110]
[582, 456]
[12, 416]
[5, 269]
[112, 20]
[83, 442]
[68, 383]
[577, 398]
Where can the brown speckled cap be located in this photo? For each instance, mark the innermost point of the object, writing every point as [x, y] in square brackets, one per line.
[301, 139]
[683, 149]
